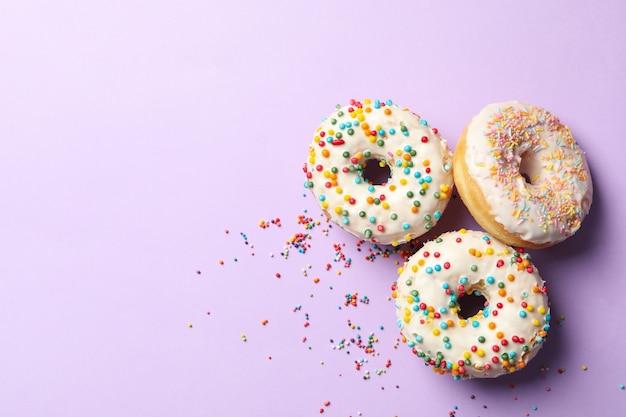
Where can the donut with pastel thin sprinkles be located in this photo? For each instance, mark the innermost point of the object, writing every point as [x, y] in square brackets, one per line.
[471, 306]
[522, 175]
[379, 171]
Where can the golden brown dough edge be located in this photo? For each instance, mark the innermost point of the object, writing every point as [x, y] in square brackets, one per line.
[475, 201]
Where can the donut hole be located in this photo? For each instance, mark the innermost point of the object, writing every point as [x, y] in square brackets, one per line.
[376, 171]
[530, 168]
[471, 304]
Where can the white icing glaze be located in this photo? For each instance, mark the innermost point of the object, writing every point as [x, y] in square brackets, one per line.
[506, 136]
[420, 171]
[499, 339]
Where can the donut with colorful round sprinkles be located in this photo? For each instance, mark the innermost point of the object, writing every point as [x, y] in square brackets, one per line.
[471, 306]
[380, 171]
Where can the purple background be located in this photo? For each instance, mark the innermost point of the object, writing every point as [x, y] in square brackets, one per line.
[133, 134]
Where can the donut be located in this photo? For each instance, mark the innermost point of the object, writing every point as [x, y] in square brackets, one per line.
[471, 306]
[522, 175]
[379, 171]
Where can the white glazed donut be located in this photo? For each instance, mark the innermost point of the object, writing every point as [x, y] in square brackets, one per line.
[502, 145]
[435, 292]
[363, 141]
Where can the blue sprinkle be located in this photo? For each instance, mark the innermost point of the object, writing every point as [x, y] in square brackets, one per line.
[475, 324]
